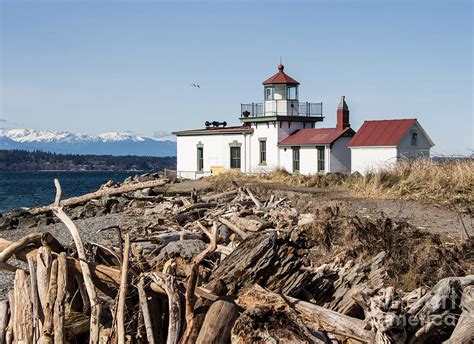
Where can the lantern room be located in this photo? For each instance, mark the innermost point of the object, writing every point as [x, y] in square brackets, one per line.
[281, 100]
[281, 94]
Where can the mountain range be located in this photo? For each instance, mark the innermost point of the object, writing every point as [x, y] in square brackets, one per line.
[63, 142]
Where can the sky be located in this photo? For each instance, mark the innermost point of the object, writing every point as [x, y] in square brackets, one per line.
[104, 65]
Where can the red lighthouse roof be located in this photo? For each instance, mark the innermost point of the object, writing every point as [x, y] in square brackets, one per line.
[281, 78]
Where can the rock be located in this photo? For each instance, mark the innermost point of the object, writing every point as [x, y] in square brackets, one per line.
[108, 203]
[45, 220]
[84, 211]
[6, 223]
[306, 219]
[224, 233]
[27, 222]
[184, 248]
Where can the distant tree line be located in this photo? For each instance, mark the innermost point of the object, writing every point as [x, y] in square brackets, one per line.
[20, 160]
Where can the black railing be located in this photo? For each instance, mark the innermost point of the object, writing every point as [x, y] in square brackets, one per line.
[304, 109]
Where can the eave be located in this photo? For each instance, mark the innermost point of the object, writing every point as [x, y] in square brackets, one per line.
[213, 132]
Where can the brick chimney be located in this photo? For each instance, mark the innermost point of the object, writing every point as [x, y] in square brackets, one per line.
[342, 115]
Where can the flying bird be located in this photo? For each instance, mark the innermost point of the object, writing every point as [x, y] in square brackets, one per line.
[195, 85]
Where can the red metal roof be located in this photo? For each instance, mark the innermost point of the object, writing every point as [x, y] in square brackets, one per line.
[281, 78]
[381, 133]
[320, 136]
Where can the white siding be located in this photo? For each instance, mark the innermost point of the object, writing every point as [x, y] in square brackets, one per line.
[365, 159]
[286, 159]
[340, 156]
[422, 147]
[268, 131]
[274, 134]
[308, 159]
[288, 128]
[281, 107]
[216, 153]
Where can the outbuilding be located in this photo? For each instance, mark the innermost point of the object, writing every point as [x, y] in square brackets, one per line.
[381, 143]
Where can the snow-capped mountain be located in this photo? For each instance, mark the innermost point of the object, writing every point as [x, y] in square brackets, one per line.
[70, 143]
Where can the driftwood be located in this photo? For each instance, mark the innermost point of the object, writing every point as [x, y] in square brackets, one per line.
[266, 257]
[59, 303]
[221, 196]
[4, 317]
[123, 291]
[95, 305]
[248, 223]
[190, 289]
[168, 283]
[48, 325]
[438, 310]
[214, 330]
[23, 315]
[34, 300]
[316, 317]
[9, 334]
[464, 331]
[101, 193]
[258, 275]
[233, 227]
[145, 310]
[43, 271]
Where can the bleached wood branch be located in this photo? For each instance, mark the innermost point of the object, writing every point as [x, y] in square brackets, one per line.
[123, 291]
[86, 272]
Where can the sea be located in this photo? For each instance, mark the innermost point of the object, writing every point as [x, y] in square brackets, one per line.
[23, 190]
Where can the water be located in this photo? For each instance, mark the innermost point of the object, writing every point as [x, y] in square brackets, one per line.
[29, 189]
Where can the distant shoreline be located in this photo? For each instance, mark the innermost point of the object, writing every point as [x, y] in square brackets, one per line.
[81, 171]
[20, 160]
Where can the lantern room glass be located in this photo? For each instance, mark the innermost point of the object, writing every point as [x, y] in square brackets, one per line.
[292, 93]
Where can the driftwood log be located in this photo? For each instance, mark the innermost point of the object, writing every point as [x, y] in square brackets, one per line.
[316, 317]
[101, 193]
[4, 317]
[214, 330]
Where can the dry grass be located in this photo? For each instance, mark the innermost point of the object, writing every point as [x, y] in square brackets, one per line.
[448, 183]
[278, 176]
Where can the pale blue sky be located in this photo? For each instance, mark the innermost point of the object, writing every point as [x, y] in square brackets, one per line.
[96, 66]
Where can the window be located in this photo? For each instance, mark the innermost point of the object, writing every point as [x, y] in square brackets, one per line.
[200, 159]
[234, 157]
[268, 93]
[296, 159]
[292, 93]
[321, 164]
[414, 138]
[263, 151]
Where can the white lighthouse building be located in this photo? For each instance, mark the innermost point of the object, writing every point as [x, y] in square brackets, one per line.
[281, 132]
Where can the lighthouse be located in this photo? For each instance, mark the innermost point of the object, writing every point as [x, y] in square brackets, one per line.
[279, 131]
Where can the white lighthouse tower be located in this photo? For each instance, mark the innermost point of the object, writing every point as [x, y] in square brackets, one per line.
[280, 115]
